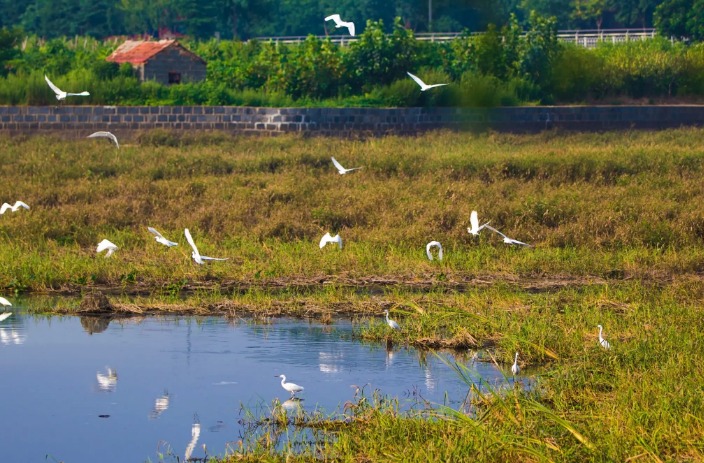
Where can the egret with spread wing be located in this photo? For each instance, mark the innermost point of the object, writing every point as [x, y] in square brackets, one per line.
[340, 23]
[423, 85]
[105, 135]
[160, 238]
[195, 254]
[60, 94]
[341, 169]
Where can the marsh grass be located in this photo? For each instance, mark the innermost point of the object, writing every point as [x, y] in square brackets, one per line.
[616, 220]
[608, 205]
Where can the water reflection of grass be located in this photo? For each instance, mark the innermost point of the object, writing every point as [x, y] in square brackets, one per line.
[616, 220]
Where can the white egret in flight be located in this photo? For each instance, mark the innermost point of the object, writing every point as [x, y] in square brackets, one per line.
[160, 238]
[340, 23]
[507, 240]
[60, 94]
[390, 322]
[474, 228]
[327, 238]
[14, 208]
[515, 369]
[431, 245]
[341, 169]
[106, 245]
[195, 254]
[105, 135]
[290, 387]
[423, 85]
[603, 342]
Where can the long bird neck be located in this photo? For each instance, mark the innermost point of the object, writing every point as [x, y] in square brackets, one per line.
[283, 379]
[515, 360]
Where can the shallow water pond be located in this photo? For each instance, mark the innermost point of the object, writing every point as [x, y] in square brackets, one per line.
[82, 390]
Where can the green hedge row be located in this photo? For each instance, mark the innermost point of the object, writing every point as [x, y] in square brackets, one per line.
[506, 66]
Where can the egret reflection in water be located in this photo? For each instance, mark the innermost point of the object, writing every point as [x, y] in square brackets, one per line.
[9, 336]
[161, 404]
[107, 381]
[329, 362]
[195, 434]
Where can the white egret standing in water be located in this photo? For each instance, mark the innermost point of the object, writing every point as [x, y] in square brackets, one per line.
[390, 322]
[431, 245]
[603, 342]
[515, 369]
[290, 387]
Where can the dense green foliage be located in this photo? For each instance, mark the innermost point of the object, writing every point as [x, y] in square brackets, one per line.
[504, 66]
[250, 18]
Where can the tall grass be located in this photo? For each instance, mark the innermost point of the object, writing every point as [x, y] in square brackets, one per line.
[609, 205]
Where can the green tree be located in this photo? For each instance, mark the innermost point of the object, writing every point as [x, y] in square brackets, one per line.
[9, 41]
[681, 19]
[634, 12]
[590, 11]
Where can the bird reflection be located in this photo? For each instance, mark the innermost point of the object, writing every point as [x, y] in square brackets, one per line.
[195, 434]
[11, 336]
[107, 381]
[329, 363]
[160, 405]
[389, 356]
[292, 404]
[429, 380]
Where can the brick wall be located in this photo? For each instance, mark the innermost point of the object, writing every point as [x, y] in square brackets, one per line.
[81, 120]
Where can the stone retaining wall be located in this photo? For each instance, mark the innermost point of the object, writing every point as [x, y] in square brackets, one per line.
[80, 120]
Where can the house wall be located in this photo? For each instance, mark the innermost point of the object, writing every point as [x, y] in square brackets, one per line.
[173, 59]
[73, 121]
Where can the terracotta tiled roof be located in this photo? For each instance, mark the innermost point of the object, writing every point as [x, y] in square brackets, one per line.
[138, 51]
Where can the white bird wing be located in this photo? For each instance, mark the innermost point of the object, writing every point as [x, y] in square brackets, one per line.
[5, 316]
[83, 93]
[4, 302]
[4, 208]
[474, 221]
[334, 17]
[214, 258]
[56, 89]
[338, 165]
[434, 85]
[337, 239]
[422, 84]
[518, 242]
[495, 230]
[189, 238]
[105, 244]
[350, 26]
[19, 204]
[153, 231]
[325, 240]
[106, 135]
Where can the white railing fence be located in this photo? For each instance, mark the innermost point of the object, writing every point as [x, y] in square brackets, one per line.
[585, 38]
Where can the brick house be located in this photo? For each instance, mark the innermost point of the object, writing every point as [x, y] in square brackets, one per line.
[165, 61]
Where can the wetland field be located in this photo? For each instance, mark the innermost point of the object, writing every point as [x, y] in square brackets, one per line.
[616, 227]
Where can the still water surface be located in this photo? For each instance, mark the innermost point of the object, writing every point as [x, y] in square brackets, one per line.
[75, 390]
